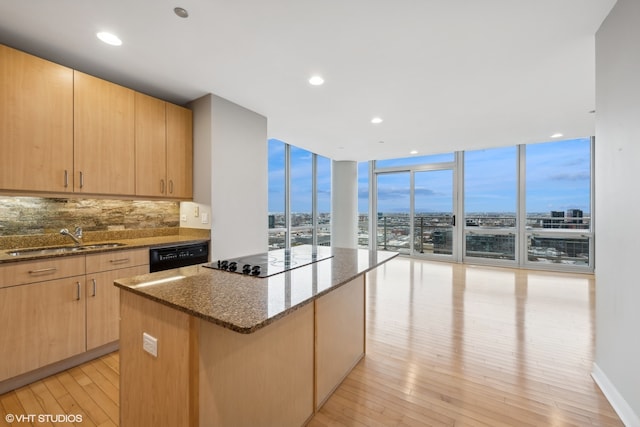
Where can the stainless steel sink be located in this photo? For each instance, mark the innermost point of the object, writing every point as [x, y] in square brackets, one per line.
[62, 249]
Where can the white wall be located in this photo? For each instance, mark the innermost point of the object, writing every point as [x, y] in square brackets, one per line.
[344, 204]
[617, 157]
[197, 214]
[230, 156]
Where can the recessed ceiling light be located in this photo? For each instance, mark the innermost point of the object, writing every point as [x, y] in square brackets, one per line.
[316, 81]
[413, 152]
[376, 120]
[556, 135]
[109, 38]
[380, 142]
[181, 12]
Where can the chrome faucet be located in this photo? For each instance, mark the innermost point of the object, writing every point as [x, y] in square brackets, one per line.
[76, 236]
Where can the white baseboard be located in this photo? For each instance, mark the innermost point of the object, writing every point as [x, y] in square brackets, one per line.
[622, 408]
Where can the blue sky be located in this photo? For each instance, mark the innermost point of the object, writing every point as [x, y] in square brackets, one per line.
[301, 161]
[557, 178]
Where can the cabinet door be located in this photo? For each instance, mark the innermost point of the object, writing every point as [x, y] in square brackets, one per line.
[179, 152]
[36, 123]
[103, 305]
[104, 152]
[42, 323]
[151, 146]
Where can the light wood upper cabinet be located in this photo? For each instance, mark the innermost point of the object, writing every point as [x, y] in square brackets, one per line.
[164, 149]
[104, 150]
[179, 152]
[63, 131]
[36, 123]
[151, 147]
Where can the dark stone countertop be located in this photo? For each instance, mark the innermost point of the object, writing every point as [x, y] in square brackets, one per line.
[130, 243]
[244, 303]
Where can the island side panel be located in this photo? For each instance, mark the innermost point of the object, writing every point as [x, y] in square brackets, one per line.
[340, 336]
[260, 379]
[155, 391]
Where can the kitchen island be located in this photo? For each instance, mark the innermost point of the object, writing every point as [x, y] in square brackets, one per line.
[228, 349]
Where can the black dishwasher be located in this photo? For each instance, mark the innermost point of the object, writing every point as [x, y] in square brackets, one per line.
[178, 255]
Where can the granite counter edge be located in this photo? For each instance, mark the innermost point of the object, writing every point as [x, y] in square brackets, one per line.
[250, 329]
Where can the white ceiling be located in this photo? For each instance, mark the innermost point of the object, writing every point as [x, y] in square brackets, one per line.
[443, 74]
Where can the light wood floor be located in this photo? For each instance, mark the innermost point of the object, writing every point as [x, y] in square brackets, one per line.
[447, 344]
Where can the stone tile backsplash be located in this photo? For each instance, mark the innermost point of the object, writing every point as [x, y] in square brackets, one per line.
[36, 215]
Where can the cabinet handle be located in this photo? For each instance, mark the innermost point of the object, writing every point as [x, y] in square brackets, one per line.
[170, 186]
[94, 287]
[66, 178]
[162, 186]
[43, 270]
[81, 179]
[119, 260]
[77, 291]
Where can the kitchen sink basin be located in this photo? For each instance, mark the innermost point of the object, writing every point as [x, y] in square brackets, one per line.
[62, 249]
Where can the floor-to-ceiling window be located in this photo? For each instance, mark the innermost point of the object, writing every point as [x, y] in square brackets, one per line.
[433, 212]
[490, 203]
[277, 194]
[558, 203]
[394, 205]
[526, 205]
[363, 204]
[299, 196]
[415, 202]
[323, 194]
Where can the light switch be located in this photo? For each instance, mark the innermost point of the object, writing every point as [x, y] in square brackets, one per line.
[150, 344]
[196, 211]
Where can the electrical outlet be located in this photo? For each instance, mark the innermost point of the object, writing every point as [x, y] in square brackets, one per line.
[150, 344]
[183, 217]
[204, 218]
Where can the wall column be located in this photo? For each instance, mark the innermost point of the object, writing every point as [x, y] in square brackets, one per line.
[344, 204]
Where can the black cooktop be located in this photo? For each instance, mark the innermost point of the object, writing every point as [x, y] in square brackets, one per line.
[269, 263]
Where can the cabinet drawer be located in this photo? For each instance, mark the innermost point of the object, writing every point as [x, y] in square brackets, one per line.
[20, 273]
[117, 259]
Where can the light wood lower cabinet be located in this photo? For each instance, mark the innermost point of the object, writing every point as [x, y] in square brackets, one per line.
[103, 299]
[42, 323]
[56, 308]
[103, 305]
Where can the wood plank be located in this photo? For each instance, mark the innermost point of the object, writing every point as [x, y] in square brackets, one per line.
[455, 344]
[66, 401]
[48, 403]
[84, 400]
[447, 345]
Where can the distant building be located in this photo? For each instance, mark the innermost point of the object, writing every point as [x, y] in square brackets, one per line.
[575, 215]
[556, 220]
